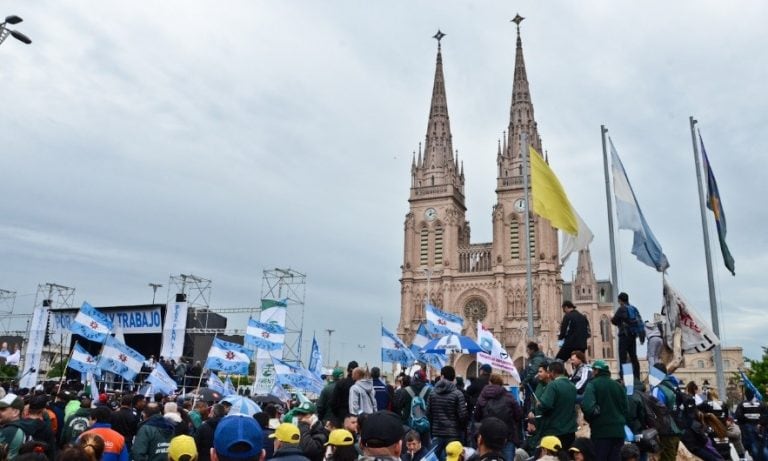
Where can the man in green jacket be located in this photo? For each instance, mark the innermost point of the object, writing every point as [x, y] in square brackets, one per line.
[557, 406]
[530, 379]
[153, 437]
[605, 408]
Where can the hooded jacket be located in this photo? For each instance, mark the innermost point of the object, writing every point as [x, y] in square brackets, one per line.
[362, 398]
[152, 439]
[77, 423]
[447, 410]
[403, 399]
[511, 412]
[605, 407]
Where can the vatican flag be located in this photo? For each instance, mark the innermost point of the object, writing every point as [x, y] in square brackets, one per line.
[551, 202]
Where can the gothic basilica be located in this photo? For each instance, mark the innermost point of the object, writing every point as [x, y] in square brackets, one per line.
[487, 281]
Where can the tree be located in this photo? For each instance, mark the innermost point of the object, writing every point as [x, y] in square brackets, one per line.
[758, 371]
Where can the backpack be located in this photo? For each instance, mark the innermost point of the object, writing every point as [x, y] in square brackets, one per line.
[77, 426]
[635, 324]
[417, 418]
[657, 415]
[685, 406]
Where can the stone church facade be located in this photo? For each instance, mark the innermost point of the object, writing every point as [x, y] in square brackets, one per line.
[487, 281]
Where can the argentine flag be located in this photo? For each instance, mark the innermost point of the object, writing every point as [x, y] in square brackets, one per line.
[393, 350]
[81, 360]
[228, 357]
[443, 323]
[161, 382]
[91, 324]
[120, 359]
[263, 335]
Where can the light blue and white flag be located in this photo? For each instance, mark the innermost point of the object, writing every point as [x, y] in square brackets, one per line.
[422, 337]
[279, 391]
[655, 376]
[628, 377]
[630, 217]
[81, 360]
[265, 335]
[215, 384]
[229, 388]
[443, 323]
[748, 384]
[293, 376]
[394, 350]
[94, 386]
[91, 324]
[228, 357]
[120, 359]
[161, 382]
[315, 359]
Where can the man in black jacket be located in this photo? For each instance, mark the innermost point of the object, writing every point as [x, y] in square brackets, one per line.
[287, 438]
[125, 421]
[204, 436]
[340, 397]
[447, 411]
[574, 332]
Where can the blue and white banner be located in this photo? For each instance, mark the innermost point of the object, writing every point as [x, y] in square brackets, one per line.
[443, 323]
[274, 313]
[393, 350]
[655, 376]
[215, 384]
[630, 217]
[34, 351]
[120, 359]
[161, 382]
[81, 360]
[228, 357]
[315, 359]
[173, 330]
[229, 388]
[293, 376]
[628, 377]
[131, 321]
[264, 335]
[91, 324]
[495, 354]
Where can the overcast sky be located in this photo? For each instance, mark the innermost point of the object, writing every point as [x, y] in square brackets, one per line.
[146, 139]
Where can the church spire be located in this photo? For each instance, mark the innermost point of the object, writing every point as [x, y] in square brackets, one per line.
[438, 150]
[521, 120]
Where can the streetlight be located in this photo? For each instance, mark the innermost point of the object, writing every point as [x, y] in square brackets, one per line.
[330, 332]
[155, 286]
[5, 32]
[361, 347]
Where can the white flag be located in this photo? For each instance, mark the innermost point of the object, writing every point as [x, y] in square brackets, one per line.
[696, 334]
[495, 356]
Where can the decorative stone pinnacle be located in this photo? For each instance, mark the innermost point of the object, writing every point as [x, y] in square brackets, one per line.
[438, 36]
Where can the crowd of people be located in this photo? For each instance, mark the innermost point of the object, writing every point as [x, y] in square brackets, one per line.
[359, 415]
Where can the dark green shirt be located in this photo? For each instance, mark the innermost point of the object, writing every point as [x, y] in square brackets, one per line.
[558, 408]
[605, 407]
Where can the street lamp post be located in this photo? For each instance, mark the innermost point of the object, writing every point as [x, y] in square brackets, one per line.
[330, 332]
[5, 31]
[361, 347]
[155, 286]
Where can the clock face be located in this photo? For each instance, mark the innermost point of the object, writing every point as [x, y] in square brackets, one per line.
[430, 214]
[520, 204]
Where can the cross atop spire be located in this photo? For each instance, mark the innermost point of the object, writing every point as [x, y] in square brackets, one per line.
[517, 20]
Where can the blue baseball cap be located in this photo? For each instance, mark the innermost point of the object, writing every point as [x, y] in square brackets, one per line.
[238, 437]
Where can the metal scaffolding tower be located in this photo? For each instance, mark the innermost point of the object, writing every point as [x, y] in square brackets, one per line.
[288, 285]
[197, 289]
[7, 302]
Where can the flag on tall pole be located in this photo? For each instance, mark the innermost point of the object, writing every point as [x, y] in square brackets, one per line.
[551, 202]
[645, 246]
[393, 350]
[715, 205]
[81, 360]
[228, 357]
[443, 323]
[161, 382]
[120, 359]
[264, 335]
[315, 359]
[91, 324]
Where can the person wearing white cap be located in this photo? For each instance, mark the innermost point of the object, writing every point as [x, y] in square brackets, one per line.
[10, 413]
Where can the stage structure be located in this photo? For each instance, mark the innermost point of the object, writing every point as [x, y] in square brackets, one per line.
[7, 303]
[289, 285]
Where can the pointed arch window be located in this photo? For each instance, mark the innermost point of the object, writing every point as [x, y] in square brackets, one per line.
[424, 247]
[514, 239]
[438, 245]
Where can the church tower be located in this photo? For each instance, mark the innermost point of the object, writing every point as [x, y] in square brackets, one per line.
[479, 281]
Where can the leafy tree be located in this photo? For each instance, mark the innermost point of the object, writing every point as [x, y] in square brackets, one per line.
[758, 371]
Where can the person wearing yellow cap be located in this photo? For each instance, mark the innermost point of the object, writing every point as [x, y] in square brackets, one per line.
[182, 448]
[454, 451]
[341, 446]
[552, 449]
[287, 437]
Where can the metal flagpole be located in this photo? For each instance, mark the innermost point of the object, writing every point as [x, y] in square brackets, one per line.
[64, 371]
[524, 153]
[611, 239]
[718, 358]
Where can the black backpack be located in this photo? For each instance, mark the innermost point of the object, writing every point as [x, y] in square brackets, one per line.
[657, 415]
[497, 408]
